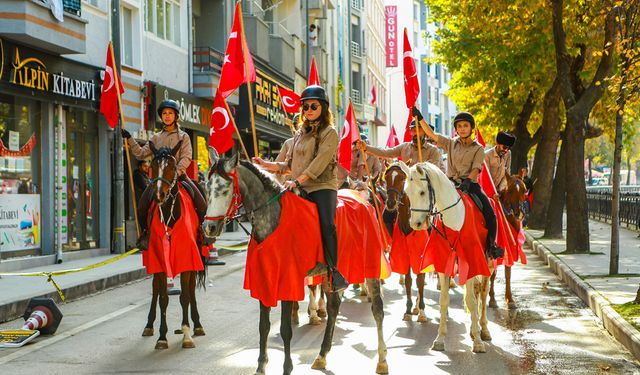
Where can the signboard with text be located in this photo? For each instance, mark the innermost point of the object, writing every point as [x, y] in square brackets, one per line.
[195, 112]
[391, 34]
[19, 221]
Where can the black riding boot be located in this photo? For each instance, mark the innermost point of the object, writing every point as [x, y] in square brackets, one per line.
[493, 250]
[143, 212]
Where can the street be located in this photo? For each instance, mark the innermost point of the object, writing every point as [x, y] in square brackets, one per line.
[551, 332]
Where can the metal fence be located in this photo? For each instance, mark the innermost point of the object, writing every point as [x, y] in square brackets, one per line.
[599, 204]
[72, 6]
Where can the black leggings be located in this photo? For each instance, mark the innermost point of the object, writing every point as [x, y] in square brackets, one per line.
[327, 200]
[487, 212]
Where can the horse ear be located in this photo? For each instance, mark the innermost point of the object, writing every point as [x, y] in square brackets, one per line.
[174, 151]
[404, 167]
[231, 163]
[213, 155]
[153, 148]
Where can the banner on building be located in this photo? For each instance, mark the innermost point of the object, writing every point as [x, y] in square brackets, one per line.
[19, 221]
[391, 34]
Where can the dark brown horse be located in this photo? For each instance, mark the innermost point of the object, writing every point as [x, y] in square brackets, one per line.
[398, 202]
[512, 199]
[168, 207]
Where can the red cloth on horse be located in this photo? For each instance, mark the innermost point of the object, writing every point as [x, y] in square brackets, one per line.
[466, 245]
[509, 242]
[181, 253]
[276, 268]
[406, 251]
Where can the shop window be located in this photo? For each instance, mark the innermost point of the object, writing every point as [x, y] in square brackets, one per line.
[19, 174]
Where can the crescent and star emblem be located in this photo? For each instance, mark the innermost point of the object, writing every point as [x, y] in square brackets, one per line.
[288, 101]
[226, 117]
[109, 73]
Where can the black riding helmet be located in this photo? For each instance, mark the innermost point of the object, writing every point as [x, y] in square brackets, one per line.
[169, 104]
[314, 92]
[464, 116]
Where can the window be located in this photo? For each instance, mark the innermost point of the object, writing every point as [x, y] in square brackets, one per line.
[127, 36]
[162, 18]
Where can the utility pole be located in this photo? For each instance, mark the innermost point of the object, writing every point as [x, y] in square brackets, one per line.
[117, 197]
[306, 35]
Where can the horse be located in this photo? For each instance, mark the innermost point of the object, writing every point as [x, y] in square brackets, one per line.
[407, 244]
[512, 200]
[456, 240]
[168, 214]
[231, 183]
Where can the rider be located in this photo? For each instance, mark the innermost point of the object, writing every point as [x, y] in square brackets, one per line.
[171, 134]
[311, 161]
[465, 159]
[498, 160]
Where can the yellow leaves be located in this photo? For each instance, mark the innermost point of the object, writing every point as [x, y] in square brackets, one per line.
[598, 83]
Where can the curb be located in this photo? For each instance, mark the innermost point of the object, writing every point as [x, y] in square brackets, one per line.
[615, 324]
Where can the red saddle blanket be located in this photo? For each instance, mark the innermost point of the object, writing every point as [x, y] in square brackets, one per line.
[276, 267]
[181, 253]
[447, 248]
[510, 242]
[406, 251]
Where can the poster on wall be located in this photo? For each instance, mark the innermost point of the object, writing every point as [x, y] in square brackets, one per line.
[19, 221]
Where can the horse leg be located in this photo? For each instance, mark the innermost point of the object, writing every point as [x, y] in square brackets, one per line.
[198, 330]
[314, 319]
[485, 335]
[438, 344]
[185, 300]
[148, 329]
[511, 303]
[492, 294]
[295, 308]
[164, 302]
[407, 289]
[264, 328]
[363, 290]
[422, 318]
[322, 303]
[286, 333]
[471, 292]
[333, 306]
[378, 314]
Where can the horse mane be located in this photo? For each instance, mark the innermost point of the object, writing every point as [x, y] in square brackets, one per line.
[267, 179]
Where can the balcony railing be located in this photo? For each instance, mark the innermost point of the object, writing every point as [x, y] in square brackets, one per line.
[207, 59]
[355, 96]
[69, 6]
[355, 49]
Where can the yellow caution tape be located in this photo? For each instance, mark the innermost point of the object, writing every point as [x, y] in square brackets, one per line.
[232, 248]
[50, 275]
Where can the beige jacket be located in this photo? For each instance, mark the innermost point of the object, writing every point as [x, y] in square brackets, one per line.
[462, 158]
[409, 153]
[166, 139]
[498, 167]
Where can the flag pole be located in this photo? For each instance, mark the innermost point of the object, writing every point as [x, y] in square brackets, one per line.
[116, 77]
[233, 121]
[373, 191]
[246, 69]
[418, 127]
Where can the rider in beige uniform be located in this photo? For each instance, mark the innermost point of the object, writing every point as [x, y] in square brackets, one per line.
[498, 160]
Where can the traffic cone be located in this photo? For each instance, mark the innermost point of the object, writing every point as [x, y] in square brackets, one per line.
[172, 290]
[43, 315]
[213, 257]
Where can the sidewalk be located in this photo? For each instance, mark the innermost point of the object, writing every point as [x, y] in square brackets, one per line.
[587, 275]
[16, 291]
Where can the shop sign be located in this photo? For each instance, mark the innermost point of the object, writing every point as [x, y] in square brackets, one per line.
[194, 111]
[30, 69]
[267, 100]
[391, 34]
[19, 221]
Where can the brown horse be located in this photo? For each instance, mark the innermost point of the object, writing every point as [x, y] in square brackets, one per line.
[398, 202]
[512, 199]
[167, 209]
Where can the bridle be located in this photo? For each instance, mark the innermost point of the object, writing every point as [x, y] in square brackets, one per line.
[170, 195]
[390, 189]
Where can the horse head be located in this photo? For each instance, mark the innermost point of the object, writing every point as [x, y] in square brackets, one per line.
[394, 177]
[222, 191]
[512, 199]
[164, 171]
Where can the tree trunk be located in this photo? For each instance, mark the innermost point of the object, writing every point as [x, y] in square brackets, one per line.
[577, 215]
[524, 142]
[637, 300]
[545, 158]
[553, 224]
[629, 168]
[589, 175]
[614, 256]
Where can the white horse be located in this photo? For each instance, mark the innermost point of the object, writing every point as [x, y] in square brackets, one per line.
[431, 193]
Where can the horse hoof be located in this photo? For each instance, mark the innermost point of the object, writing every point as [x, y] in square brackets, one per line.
[162, 344]
[407, 317]
[401, 281]
[319, 363]
[314, 321]
[363, 293]
[198, 331]
[493, 304]
[147, 332]
[512, 305]
[188, 344]
[322, 313]
[415, 311]
[478, 347]
[485, 335]
[295, 320]
[438, 346]
[382, 368]
[422, 318]
[177, 331]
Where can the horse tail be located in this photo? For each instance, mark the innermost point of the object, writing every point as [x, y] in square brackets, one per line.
[201, 276]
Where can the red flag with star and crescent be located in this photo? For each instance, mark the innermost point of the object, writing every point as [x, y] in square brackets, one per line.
[234, 72]
[407, 132]
[221, 131]
[411, 84]
[109, 98]
[290, 100]
[484, 178]
[393, 140]
[350, 134]
[314, 78]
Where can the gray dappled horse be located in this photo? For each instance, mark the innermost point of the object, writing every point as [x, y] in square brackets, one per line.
[256, 191]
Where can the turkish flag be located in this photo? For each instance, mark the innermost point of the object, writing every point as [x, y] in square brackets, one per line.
[393, 140]
[111, 83]
[350, 134]
[484, 178]
[411, 85]
[407, 133]
[290, 100]
[373, 96]
[314, 78]
[221, 131]
[234, 72]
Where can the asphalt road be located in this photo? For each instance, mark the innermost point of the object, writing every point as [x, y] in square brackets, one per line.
[551, 332]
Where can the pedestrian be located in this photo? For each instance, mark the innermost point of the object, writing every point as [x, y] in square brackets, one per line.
[465, 159]
[170, 136]
[311, 163]
[141, 178]
[498, 160]
[313, 35]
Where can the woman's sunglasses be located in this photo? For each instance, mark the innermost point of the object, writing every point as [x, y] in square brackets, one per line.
[314, 106]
